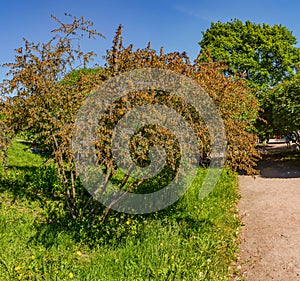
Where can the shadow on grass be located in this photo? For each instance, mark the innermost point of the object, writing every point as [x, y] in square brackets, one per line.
[41, 184]
[280, 165]
[33, 183]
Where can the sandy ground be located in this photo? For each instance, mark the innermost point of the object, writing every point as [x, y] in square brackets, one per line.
[270, 212]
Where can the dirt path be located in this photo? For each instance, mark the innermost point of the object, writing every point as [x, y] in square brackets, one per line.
[270, 212]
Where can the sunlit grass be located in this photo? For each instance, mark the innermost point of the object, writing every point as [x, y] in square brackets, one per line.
[192, 240]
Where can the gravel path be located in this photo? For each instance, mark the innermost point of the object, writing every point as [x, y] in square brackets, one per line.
[270, 212]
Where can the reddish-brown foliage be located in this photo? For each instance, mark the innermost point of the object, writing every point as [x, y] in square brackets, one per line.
[47, 100]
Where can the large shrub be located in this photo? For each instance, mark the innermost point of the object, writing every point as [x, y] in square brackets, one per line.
[46, 100]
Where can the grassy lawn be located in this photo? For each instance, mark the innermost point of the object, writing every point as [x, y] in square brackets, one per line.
[196, 240]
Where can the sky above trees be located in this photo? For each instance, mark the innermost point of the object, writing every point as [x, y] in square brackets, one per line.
[176, 25]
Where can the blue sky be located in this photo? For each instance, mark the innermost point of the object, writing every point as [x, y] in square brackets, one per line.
[175, 25]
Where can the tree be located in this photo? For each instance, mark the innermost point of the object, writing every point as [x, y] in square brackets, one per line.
[265, 55]
[285, 106]
[5, 133]
[43, 106]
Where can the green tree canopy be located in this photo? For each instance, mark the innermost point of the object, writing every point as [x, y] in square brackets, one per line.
[263, 54]
[285, 106]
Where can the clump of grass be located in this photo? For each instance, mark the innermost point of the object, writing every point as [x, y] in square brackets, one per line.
[191, 240]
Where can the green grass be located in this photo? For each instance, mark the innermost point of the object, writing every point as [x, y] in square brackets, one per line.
[192, 240]
[289, 157]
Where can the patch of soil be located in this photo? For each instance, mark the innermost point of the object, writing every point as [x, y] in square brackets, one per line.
[269, 209]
